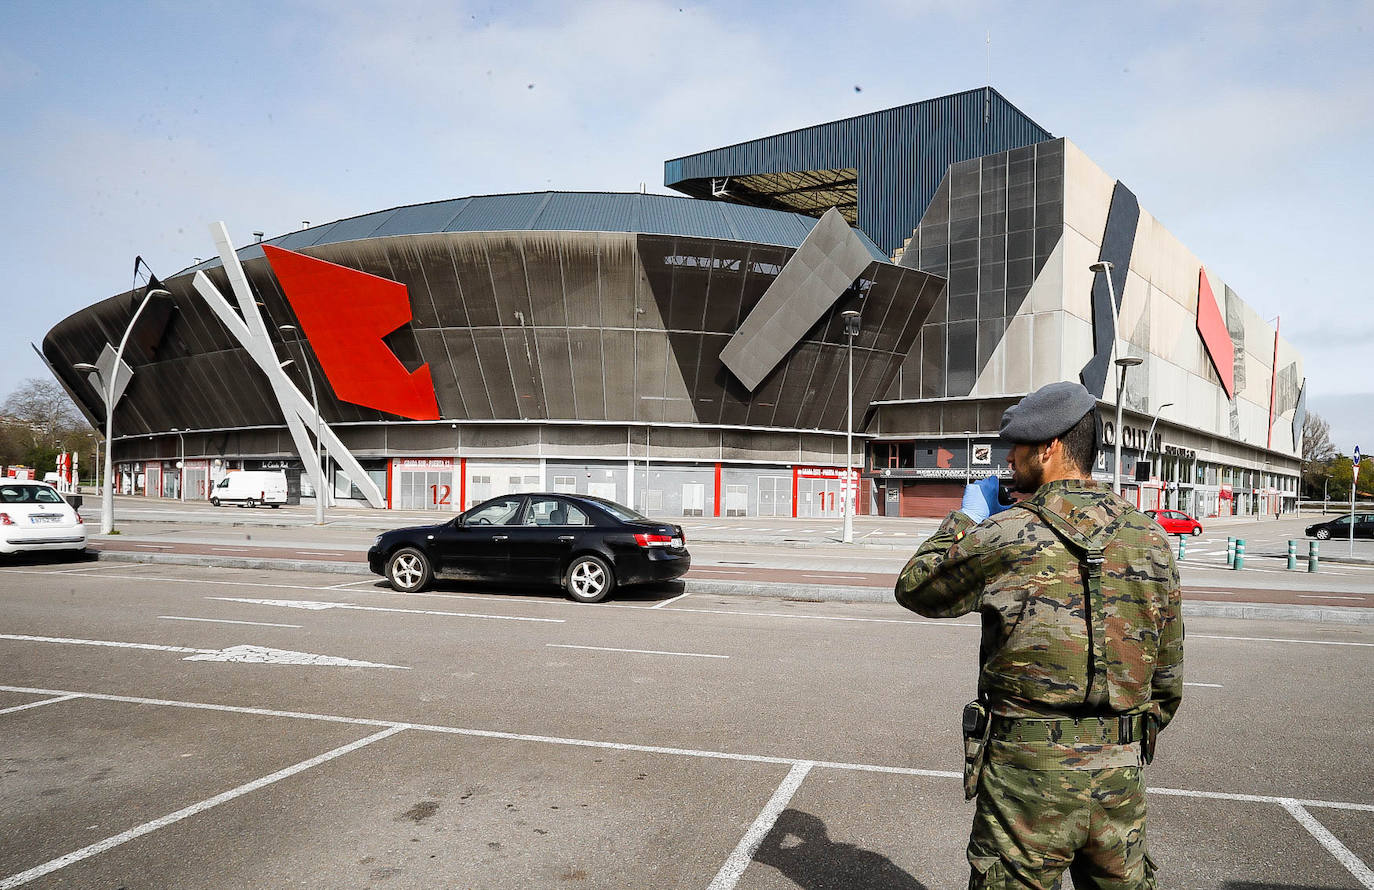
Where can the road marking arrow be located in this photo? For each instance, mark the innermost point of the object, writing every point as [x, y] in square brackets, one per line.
[243, 654]
[319, 605]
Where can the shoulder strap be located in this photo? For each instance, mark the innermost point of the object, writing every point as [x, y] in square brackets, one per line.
[1090, 557]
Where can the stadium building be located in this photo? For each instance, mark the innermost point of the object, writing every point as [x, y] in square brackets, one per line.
[690, 355]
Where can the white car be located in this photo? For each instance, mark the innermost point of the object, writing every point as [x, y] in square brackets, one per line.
[34, 517]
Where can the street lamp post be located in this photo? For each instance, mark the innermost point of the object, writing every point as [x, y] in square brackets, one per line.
[1122, 362]
[181, 465]
[96, 440]
[107, 492]
[851, 330]
[315, 406]
[1150, 437]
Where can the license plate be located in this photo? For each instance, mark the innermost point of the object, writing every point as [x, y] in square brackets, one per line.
[675, 543]
[45, 518]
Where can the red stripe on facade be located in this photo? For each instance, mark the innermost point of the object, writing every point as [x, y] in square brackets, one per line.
[1212, 328]
[1273, 384]
[716, 503]
[796, 472]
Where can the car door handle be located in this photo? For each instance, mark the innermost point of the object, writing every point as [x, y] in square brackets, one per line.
[499, 537]
[566, 537]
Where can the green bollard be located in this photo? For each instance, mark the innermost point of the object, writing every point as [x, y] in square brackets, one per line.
[1312, 556]
[1182, 548]
[1230, 553]
[1240, 555]
[1292, 555]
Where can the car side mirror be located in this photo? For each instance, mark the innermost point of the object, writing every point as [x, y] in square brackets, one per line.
[460, 521]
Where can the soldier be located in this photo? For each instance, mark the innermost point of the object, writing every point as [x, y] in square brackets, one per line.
[1081, 656]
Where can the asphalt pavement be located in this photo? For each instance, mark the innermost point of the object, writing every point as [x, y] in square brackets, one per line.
[194, 727]
[762, 556]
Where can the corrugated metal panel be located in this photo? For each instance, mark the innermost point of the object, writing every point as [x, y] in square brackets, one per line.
[901, 155]
[431, 217]
[498, 213]
[574, 212]
[359, 226]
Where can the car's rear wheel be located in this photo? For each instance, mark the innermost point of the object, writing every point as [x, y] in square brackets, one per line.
[1197, 530]
[408, 570]
[251, 502]
[589, 579]
[1322, 534]
[214, 502]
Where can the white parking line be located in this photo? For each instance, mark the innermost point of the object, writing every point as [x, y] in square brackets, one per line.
[944, 623]
[230, 549]
[1324, 596]
[1352, 863]
[227, 621]
[1208, 685]
[634, 651]
[743, 854]
[1278, 640]
[317, 606]
[666, 602]
[108, 843]
[38, 704]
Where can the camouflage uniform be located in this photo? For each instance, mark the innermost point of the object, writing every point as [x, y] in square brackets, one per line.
[1057, 792]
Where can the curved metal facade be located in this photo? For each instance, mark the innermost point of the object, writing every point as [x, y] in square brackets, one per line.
[522, 326]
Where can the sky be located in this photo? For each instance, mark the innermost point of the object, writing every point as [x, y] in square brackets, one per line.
[1246, 128]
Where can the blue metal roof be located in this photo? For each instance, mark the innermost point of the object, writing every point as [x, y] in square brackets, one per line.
[899, 155]
[562, 212]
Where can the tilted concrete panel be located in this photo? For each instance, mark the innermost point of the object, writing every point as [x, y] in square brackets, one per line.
[825, 264]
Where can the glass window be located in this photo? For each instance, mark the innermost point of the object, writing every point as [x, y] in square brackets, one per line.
[499, 512]
[554, 511]
[29, 494]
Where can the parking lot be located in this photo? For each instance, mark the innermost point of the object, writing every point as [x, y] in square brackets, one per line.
[190, 727]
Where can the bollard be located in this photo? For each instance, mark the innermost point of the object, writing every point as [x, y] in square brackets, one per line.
[1182, 548]
[1230, 553]
[1292, 555]
[1240, 555]
[1312, 556]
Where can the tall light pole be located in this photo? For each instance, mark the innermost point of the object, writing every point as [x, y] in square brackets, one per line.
[315, 406]
[851, 330]
[1122, 362]
[107, 492]
[181, 465]
[96, 440]
[1150, 437]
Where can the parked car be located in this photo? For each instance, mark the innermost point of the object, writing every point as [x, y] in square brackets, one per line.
[587, 545]
[1175, 522]
[34, 517]
[248, 488]
[1340, 527]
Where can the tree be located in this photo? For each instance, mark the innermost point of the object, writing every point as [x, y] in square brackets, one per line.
[1316, 439]
[1318, 455]
[38, 420]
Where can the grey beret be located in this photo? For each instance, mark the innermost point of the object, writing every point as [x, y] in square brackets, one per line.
[1047, 413]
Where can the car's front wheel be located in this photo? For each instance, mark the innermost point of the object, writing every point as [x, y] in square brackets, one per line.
[214, 502]
[408, 570]
[1322, 534]
[1197, 530]
[589, 579]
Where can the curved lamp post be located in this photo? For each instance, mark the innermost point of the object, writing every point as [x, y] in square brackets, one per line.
[1122, 362]
[851, 330]
[107, 492]
[315, 406]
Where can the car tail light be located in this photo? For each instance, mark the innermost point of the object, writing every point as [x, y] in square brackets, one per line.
[79, 520]
[646, 539]
[5, 520]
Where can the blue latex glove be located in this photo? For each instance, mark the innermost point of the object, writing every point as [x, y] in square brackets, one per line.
[981, 499]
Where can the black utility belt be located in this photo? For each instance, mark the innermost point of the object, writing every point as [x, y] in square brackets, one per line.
[1121, 729]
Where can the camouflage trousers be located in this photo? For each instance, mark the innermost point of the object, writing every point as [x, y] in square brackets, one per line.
[1032, 825]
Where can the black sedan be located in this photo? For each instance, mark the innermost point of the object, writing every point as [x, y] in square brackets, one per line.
[586, 545]
[1340, 527]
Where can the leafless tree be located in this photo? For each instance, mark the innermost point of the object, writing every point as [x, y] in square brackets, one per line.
[1316, 439]
[43, 412]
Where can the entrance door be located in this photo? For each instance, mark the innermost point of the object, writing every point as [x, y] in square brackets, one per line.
[775, 496]
[428, 489]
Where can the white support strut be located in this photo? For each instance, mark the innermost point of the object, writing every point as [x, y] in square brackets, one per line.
[252, 333]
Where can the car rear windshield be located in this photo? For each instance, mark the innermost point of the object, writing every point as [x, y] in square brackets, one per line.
[28, 494]
[621, 512]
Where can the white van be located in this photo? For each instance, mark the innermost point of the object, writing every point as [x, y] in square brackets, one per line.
[250, 488]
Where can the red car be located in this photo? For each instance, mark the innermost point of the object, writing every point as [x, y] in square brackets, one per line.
[1175, 522]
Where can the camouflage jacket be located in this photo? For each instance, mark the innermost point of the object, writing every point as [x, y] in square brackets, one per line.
[1030, 589]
